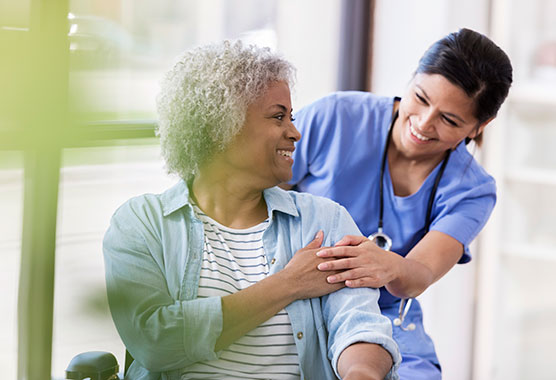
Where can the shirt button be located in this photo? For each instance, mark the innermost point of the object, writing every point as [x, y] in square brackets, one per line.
[272, 261]
[300, 335]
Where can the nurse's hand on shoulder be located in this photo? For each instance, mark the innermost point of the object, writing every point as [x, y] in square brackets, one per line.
[361, 263]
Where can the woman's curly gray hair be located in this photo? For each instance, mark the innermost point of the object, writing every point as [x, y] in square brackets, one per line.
[204, 98]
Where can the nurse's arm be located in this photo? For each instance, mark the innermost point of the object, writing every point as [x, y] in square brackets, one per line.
[364, 361]
[364, 264]
[425, 264]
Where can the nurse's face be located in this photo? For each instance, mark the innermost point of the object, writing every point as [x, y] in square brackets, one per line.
[434, 116]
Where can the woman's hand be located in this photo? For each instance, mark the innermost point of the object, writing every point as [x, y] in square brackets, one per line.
[359, 263]
[302, 274]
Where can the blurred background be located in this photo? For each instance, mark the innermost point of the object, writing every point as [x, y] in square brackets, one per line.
[78, 80]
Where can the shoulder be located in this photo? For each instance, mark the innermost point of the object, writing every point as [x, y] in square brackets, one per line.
[318, 213]
[299, 204]
[139, 206]
[347, 100]
[466, 172]
[310, 203]
[138, 216]
[152, 207]
[341, 116]
[466, 188]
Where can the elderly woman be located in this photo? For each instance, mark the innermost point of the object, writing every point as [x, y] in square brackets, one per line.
[215, 278]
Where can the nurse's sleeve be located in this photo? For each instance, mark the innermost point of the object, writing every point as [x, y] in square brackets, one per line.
[160, 332]
[352, 315]
[463, 212]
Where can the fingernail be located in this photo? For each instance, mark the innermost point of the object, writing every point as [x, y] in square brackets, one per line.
[318, 233]
[331, 279]
[322, 266]
[321, 253]
[348, 283]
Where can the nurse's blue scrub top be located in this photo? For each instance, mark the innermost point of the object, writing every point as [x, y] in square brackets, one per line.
[339, 157]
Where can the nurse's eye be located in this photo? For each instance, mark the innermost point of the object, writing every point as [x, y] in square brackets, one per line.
[421, 99]
[279, 116]
[449, 121]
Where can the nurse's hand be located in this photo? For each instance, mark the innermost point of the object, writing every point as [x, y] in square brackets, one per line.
[301, 274]
[361, 263]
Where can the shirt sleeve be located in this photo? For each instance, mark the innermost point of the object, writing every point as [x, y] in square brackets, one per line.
[464, 211]
[352, 314]
[160, 332]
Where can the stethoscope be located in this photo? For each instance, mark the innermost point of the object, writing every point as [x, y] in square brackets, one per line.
[383, 240]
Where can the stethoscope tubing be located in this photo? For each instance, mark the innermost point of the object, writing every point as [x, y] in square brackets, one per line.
[382, 239]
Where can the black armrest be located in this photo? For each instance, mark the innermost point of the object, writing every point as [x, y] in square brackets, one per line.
[96, 365]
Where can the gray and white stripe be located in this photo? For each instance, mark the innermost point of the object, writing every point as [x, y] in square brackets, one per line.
[233, 260]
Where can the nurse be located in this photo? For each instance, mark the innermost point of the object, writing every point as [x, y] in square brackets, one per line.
[402, 168]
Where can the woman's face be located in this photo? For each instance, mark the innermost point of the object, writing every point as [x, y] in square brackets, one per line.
[434, 116]
[265, 144]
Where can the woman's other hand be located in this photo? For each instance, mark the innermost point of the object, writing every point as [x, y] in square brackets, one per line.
[302, 274]
[359, 263]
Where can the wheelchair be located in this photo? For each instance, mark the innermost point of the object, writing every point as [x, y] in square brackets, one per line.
[96, 365]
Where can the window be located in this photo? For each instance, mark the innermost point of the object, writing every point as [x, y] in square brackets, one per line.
[86, 156]
[11, 204]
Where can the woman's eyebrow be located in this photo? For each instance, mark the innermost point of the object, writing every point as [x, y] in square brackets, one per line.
[446, 113]
[280, 106]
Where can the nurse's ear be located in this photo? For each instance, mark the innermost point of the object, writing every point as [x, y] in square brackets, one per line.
[479, 129]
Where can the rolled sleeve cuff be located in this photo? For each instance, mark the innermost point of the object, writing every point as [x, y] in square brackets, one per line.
[200, 336]
[369, 337]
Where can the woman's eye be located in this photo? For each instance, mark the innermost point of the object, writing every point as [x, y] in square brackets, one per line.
[279, 117]
[292, 119]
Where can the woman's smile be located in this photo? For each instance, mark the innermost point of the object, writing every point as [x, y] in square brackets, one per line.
[286, 154]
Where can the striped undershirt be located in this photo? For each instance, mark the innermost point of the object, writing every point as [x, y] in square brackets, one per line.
[233, 260]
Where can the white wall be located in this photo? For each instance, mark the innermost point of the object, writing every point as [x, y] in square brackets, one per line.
[403, 30]
[309, 37]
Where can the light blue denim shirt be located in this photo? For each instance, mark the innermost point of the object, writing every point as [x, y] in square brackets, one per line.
[153, 252]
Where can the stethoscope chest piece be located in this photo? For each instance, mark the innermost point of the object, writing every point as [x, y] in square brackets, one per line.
[405, 304]
[381, 239]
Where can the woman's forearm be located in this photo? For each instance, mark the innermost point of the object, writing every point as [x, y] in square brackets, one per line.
[245, 310]
[248, 308]
[364, 361]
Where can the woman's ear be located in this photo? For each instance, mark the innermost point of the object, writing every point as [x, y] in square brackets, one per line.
[480, 128]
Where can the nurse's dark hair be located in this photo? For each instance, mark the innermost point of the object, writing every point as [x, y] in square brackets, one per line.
[474, 63]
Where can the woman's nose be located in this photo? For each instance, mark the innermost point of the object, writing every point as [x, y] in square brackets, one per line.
[293, 133]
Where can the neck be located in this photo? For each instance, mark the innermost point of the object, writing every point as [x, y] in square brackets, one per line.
[228, 199]
[397, 157]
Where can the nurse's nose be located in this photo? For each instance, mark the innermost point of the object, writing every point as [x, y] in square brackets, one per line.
[426, 121]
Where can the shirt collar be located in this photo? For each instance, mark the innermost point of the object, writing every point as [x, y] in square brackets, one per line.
[276, 199]
[175, 198]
